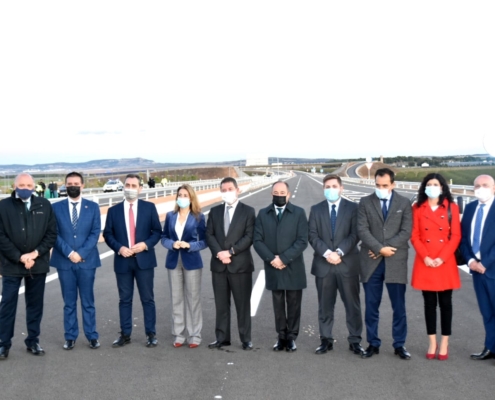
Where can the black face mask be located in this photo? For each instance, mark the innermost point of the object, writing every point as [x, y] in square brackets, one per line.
[73, 191]
[279, 201]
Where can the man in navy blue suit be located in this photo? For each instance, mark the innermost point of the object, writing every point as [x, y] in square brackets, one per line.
[76, 257]
[132, 229]
[478, 249]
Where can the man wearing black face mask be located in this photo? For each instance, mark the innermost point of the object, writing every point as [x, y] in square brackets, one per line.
[280, 237]
[75, 256]
[28, 230]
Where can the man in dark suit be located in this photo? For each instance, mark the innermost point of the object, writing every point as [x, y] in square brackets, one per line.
[280, 238]
[384, 227]
[76, 257]
[333, 236]
[478, 248]
[229, 234]
[132, 230]
[28, 230]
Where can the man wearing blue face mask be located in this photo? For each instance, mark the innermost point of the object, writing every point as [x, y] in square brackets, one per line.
[384, 226]
[28, 230]
[333, 236]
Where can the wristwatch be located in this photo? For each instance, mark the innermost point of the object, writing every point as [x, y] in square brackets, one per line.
[339, 252]
[231, 251]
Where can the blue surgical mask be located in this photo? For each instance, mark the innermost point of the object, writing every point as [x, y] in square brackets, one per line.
[382, 194]
[183, 202]
[332, 194]
[24, 194]
[433, 192]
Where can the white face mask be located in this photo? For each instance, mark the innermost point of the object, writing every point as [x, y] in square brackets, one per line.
[483, 194]
[130, 194]
[382, 193]
[229, 197]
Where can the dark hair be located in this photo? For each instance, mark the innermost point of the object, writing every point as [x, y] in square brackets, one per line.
[285, 183]
[385, 171]
[72, 175]
[227, 180]
[133, 176]
[422, 197]
[332, 176]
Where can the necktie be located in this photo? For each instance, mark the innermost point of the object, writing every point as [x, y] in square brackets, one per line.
[333, 219]
[74, 215]
[226, 220]
[26, 205]
[384, 208]
[279, 212]
[132, 226]
[477, 229]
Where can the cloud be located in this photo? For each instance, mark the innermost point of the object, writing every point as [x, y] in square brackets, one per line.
[98, 133]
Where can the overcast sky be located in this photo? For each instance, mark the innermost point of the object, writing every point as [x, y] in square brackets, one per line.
[182, 81]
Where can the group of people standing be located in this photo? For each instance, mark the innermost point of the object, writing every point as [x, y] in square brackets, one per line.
[383, 223]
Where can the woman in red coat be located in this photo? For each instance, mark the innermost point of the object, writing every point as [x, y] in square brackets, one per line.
[435, 237]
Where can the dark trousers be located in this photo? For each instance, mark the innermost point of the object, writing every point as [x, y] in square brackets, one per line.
[348, 287]
[34, 293]
[444, 299]
[240, 285]
[484, 288]
[287, 320]
[73, 281]
[373, 290]
[144, 281]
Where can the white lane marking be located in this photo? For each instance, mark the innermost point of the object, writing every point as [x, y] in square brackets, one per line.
[257, 292]
[464, 267]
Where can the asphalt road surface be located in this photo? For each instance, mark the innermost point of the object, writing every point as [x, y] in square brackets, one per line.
[165, 372]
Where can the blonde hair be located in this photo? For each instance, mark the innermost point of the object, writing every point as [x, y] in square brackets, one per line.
[194, 207]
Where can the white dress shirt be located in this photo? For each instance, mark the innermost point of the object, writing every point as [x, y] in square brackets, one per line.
[330, 204]
[486, 209]
[179, 228]
[127, 206]
[232, 209]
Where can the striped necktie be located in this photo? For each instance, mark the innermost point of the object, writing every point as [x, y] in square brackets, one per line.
[74, 215]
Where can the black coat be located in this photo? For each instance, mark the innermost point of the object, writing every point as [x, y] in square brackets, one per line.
[21, 234]
[287, 238]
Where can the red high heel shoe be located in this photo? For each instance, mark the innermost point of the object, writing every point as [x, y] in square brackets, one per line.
[443, 357]
[431, 356]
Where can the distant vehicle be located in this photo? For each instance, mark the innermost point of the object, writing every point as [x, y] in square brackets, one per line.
[113, 185]
[62, 191]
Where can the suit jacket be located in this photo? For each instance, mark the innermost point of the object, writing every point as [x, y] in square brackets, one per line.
[148, 230]
[194, 234]
[376, 233]
[239, 237]
[287, 238]
[430, 238]
[83, 240]
[487, 246]
[345, 239]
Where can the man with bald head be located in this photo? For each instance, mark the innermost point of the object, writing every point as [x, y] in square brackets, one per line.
[280, 237]
[478, 249]
[28, 230]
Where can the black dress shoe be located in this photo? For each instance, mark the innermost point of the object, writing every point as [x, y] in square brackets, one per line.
[36, 350]
[4, 353]
[280, 345]
[151, 340]
[356, 348]
[121, 340]
[290, 346]
[402, 353]
[69, 344]
[484, 355]
[370, 351]
[247, 346]
[326, 345]
[216, 344]
[94, 344]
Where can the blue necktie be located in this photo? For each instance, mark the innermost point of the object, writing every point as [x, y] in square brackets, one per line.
[74, 215]
[477, 229]
[384, 208]
[279, 212]
[333, 219]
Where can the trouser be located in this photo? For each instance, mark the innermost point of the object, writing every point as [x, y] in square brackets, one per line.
[484, 288]
[445, 301]
[287, 320]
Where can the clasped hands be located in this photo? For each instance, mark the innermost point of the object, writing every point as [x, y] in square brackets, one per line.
[277, 263]
[28, 259]
[333, 258]
[477, 267]
[386, 251]
[130, 252]
[430, 262]
[224, 256]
